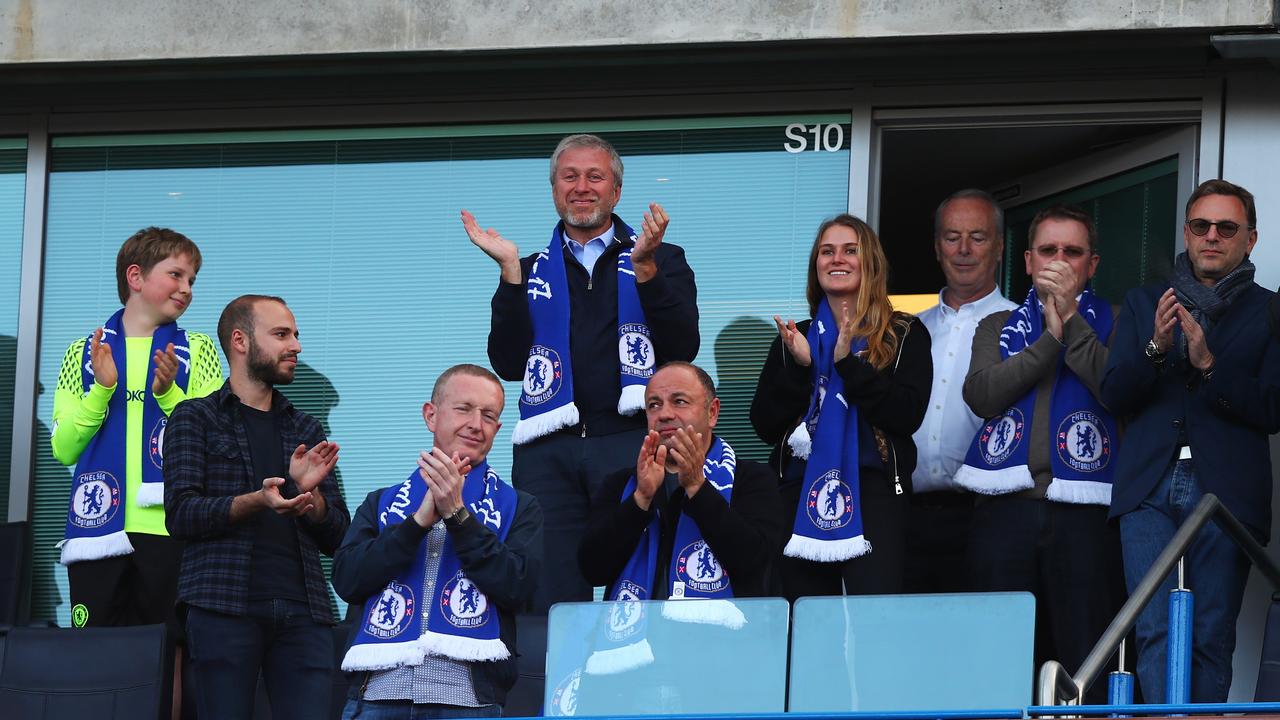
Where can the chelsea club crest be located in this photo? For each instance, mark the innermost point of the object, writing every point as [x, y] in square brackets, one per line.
[1083, 442]
[829, 502]
[564, 701]
[391, 613]
[462, 603]
[94, 499]
[699, 569]
[626, 613]
[155, 445]
[543, 374]
[1000, 437]
[635, 350]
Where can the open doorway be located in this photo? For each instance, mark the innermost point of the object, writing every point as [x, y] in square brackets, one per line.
[1131, 177]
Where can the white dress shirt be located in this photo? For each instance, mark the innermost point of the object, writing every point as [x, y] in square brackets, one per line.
[588, 254]
[949, 426]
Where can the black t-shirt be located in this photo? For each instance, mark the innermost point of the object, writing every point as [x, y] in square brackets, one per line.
[275, 568]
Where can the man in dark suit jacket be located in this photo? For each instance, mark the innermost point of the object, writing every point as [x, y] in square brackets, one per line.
[1195, 371]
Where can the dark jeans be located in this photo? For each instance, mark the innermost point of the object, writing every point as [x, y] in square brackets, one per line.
[1216, 572]
[278, 637]
[938, 542]
[1067, 555]
[564, 471]
[405, 710]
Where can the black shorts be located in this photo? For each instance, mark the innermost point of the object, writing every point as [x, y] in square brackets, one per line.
[136, 589]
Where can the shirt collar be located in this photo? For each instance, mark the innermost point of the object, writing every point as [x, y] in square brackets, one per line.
[606, 238]
[948, 310]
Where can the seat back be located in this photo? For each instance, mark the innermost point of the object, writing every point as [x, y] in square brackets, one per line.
[14, 574]
[1268, 687]
[104, 673]
[667, 657]
[883, 653]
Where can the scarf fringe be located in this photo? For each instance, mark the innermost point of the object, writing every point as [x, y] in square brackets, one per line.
[464, 648]
[995, 482]
[705, 612]
[620, 659]
[95, 548]
[150, 494]
[808, 548]
[534, 427]
[631, 401]
[1079, 492]
[800, 442]
[383, 656]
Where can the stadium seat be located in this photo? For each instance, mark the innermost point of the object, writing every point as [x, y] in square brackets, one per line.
[101, 673]
[1268, 687]
[14, 575]
[525, 698]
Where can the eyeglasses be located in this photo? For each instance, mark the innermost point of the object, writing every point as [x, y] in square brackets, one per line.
[1074, 252]
[1226, 228]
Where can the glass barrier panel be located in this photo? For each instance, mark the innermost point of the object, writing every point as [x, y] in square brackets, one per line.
[667, 657]
[878, 653]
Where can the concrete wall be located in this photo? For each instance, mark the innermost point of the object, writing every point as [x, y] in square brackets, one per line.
[76, 30]
[1251, 152]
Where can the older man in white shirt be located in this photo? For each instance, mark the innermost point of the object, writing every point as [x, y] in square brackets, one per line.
[968, 239]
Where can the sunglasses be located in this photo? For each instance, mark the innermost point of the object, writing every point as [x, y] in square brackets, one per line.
[1226, 228]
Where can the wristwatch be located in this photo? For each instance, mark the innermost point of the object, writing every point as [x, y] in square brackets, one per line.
[458, 517]
[1154, 352]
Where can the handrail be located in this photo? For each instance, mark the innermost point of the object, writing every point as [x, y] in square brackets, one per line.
[1056, 683]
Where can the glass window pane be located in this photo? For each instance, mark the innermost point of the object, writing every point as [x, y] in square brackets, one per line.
[13, 179]
[359, 231]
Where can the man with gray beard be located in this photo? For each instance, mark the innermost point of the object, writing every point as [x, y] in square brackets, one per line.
[583, 323]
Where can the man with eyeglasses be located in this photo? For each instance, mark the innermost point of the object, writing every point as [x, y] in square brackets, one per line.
[1043, 461]
[1195, 373]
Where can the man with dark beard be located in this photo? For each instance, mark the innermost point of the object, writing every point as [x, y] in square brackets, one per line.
[249, 484]
[584, 322]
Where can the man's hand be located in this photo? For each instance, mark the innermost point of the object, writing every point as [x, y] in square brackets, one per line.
[309, 467]
[295, 507]
[100, 359]
[689, 454]
[794, 341]
[166, 363]
[426, 514]
[1197, 348]
[650, 469]
[1166, 319]
[502, 250]
[652, 228]
[445, 476]
[844, 340]
[1052, 321]
[1057, 282]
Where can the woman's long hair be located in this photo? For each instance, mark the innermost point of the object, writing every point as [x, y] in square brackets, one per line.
[874, 316]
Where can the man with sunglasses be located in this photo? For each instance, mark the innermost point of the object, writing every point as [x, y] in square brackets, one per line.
[1043, 460]
[1195, 373]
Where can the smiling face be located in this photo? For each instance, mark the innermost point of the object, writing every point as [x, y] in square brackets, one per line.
[1213, 256]
[968, 247]
[273, 347]
[675, 398]
[165, 289]
[466, 417]
[838, 266]
[584, 189]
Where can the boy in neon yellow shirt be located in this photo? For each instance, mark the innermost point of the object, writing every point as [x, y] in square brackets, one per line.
[122, 565]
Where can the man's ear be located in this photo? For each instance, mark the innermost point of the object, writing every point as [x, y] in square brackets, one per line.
[429, 411]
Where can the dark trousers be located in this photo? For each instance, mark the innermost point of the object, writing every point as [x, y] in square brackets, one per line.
[879, 572]
[277, 637]
[938, 542]
[564, 471]
[1067, 555]
[136, 589]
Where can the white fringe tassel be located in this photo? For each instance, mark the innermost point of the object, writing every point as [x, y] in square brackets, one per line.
[532, 428]
[631, 401]
[800, 442]
[383, 656]
[150, 494]
[95, 548]
[817, 550]
[705, 611]
[467, 649]
[620, 659]
[1079, 492]
[995, 482]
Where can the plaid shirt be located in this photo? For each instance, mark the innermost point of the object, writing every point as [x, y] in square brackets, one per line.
[207, 463]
